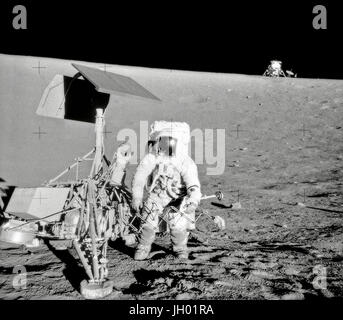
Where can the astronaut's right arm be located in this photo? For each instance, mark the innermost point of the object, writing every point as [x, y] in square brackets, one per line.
[144, 169]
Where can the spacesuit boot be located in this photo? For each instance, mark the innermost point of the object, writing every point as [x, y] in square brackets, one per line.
[145, 240]
[179, 240]
[142, 252]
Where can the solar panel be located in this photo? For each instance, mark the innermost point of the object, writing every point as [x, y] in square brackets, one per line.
[113, 83]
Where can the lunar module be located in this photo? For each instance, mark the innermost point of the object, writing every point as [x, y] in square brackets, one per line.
[274, 69]
[84, 213]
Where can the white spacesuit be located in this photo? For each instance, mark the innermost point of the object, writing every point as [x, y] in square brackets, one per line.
[171, 179]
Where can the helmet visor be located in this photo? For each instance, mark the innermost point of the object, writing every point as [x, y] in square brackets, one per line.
[167, 146]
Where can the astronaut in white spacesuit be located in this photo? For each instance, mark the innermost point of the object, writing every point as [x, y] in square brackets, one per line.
[171, 179]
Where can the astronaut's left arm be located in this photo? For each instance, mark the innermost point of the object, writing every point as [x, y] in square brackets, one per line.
[191, 180]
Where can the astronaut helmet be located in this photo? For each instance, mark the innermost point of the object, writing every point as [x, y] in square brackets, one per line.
[170, 139]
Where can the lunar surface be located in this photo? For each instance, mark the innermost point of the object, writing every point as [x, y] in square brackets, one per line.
[288, 149]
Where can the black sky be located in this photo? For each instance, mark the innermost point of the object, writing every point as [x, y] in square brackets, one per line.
[226, 36]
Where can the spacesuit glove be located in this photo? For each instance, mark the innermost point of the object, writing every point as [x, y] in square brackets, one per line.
[190, 207]
[123, 155]
[137, 204]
